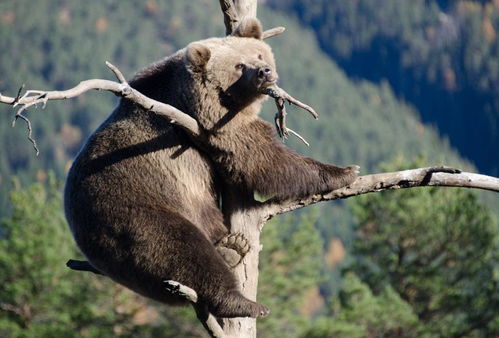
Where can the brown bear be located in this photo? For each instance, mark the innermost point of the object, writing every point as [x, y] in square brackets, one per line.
[143, 199]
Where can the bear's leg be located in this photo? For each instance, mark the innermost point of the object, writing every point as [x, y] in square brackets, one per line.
[179, 251]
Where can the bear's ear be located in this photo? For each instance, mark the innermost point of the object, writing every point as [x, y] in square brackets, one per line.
[197, 56]
[249, 28]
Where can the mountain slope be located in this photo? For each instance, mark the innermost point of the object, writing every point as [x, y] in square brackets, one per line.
[69, 41]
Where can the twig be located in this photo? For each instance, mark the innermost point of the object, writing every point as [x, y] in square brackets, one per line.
[29, 127]
[82, 266]
[280, 96]
[298, 136]
[116, 72]
[14, 102]
[18, 94]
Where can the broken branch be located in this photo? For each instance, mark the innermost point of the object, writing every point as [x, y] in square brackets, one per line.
[77, 265]
[209, 321]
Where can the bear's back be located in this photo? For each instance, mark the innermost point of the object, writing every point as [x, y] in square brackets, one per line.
[138, 162]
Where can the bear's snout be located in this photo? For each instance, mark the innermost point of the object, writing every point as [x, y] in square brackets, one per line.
[266, 74]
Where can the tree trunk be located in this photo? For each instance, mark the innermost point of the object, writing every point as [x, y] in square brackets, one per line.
[242, 215]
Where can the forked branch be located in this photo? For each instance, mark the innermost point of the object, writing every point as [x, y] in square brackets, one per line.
[281, 96]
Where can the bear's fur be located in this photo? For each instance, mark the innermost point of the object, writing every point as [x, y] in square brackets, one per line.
[142, 198]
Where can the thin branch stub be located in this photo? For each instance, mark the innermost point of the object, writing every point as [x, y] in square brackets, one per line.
[77, 265]
[269, 33]
[116, 71]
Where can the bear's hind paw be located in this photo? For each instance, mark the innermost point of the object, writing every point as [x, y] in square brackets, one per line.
[233, 248]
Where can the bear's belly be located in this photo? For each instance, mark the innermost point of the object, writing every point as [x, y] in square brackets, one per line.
[108, 202]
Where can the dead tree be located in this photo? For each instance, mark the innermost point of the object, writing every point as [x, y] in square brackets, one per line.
[242, 213]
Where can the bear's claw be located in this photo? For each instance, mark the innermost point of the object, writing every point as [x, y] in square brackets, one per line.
[355, 168]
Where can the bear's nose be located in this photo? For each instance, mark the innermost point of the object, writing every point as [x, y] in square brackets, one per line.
[264, 72]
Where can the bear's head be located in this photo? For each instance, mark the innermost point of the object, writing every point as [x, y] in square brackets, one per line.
[238, 66]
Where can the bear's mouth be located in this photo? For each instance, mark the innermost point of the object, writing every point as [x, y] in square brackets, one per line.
[266, 81]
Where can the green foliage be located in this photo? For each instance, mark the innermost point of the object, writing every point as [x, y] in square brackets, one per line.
[438, 249]
[290, 271]
[36, 288]
[359, 313]
[41, 297]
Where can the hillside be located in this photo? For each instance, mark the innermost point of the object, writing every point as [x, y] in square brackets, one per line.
[68, 42]
[441, 56]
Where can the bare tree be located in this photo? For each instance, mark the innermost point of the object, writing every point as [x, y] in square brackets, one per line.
[242, 213]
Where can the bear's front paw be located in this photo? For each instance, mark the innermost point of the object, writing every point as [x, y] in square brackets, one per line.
[233, 248]
[350, 174]
[339, 177]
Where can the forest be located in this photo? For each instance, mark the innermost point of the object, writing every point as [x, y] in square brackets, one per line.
[397, 84]
[440, 56]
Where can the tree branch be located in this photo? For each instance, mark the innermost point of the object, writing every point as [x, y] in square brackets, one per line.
[34, 97]
[236, 10]
[231, 18]
[430, 176]
[269, 33]
[209, 322]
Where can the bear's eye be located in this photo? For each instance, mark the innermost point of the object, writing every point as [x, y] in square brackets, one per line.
[260, 57]
[240, 66]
